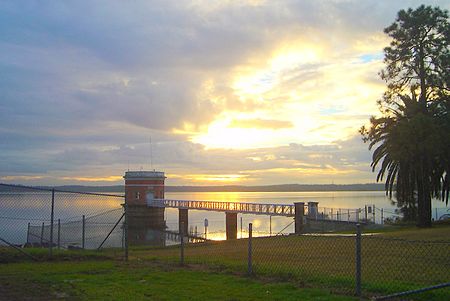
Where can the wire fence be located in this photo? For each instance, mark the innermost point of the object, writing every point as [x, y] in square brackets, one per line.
[45, 217]
[353, 264]
[366, 265]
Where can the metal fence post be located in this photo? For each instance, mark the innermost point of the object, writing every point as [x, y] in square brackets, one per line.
[59, 233]
[28, 234]
[182, 244]
[52, 214]
[111, 231]
[373, 214]
[382, 217]
[358, 260]
[42, 234]
[83, 233]
[270, 225]
[250, 265]
[125, 225]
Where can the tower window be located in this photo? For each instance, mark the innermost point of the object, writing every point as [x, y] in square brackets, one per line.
[137, 195]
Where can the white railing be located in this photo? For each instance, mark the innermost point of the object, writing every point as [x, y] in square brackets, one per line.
[250, 208]
[311, 211]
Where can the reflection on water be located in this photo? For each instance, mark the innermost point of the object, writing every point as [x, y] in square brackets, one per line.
[17, 209]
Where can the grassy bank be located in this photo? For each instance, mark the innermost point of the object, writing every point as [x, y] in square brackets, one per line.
[137, 280]
[288, 268]
[391, 262]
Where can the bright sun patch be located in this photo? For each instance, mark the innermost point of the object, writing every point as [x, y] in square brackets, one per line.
[289, 104]
[211, 178]
[221, 135]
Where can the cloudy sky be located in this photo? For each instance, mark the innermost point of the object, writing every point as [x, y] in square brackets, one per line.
[228, 92]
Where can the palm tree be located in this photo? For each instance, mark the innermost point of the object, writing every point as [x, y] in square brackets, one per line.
[387, 134]
[412, 138]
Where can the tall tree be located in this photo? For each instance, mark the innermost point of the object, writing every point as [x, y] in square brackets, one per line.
[411, 138]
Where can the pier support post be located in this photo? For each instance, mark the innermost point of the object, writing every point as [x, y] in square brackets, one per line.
[183, 221]
[231, 225]
[313, 209]
[299, 214]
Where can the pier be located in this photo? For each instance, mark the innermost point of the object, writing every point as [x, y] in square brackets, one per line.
[231, 209]
[145, 205]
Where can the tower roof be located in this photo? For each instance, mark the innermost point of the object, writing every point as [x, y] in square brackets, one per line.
[144, 174]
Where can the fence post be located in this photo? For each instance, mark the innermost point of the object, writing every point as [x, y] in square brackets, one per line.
[59, 233]
[182, 244]
[270, 225]
[52, 214]
[250, 265]
[382, 217]
[125, 226]
[365, 213]
[373, 214]
[28, 234]
[42, 234]
[83, 232]
[358, 260]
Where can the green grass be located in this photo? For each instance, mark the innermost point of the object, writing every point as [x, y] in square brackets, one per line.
[109, 280]
[9, 255]
[389, 262]
[392, 261]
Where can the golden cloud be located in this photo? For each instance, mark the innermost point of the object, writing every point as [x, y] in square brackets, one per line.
[217, 178]
[94, 179]
[261, 123]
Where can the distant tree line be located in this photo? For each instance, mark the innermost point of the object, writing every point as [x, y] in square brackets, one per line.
[227, 188]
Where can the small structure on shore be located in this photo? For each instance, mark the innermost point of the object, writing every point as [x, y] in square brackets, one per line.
[141, 188]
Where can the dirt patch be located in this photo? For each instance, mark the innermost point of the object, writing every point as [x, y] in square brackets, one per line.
[23, 291]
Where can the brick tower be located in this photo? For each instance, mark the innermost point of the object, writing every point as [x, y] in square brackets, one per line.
[143, 214]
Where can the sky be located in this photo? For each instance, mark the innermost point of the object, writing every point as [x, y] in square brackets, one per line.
[210, 92]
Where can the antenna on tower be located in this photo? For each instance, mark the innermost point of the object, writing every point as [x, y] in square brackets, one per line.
[151, 154]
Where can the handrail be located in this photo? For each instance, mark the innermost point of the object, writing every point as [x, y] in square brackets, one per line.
[250, 208]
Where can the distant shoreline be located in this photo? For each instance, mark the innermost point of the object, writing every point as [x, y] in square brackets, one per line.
[237, 188]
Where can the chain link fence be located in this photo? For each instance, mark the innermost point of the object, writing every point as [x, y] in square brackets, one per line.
[373, 266]
[368, 265]
[56, 219]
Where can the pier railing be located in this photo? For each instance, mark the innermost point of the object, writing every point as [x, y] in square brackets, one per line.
[286, 210]
[250, 208]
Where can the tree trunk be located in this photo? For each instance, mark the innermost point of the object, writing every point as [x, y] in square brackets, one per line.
[422, 75]
[420, 202]
[423, 197]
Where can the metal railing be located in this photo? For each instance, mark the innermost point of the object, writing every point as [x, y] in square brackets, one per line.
[250, 208]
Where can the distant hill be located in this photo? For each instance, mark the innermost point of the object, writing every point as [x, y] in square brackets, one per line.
[234, 188]
[278, 188]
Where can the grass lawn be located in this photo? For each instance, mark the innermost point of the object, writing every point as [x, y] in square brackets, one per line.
[288, 268]
[392, 261]
[136, 280]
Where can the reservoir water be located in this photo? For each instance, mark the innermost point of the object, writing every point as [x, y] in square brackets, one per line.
[17, 209]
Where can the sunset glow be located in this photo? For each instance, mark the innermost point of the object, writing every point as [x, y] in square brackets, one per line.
[250, 92]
